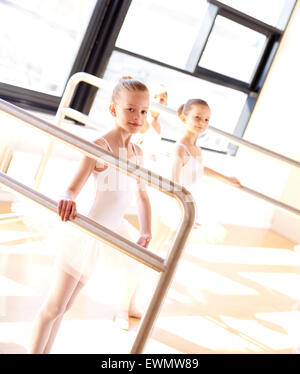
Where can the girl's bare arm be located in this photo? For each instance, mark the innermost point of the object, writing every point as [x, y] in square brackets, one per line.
[177, 164]
[144, 208]
[223, 178]
[66, 208]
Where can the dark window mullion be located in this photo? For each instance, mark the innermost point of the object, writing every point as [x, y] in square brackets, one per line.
[219, 9]
[90, 37]
[244, 19]
[242, 122]
[205, 74]
[92, 57]
[105, 36]
[36, 100]
[29, 99]
[264, 63]
[221, 79]
[202, 38]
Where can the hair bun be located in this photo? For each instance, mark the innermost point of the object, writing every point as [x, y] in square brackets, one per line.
[126, 77]
[180, 110]
[127, 83]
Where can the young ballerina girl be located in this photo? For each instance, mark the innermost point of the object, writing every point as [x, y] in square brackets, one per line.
[150, 134]
[113, 191]
[187, 167]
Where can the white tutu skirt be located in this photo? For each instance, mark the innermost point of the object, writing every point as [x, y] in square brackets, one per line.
[209, 230]
[77, 252]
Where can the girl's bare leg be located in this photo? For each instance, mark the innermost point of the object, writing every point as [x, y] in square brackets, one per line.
[58, 320]
[122, 317]
[129, 296]
[61, 292]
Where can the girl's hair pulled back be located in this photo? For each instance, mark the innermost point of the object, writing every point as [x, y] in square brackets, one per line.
[185, 108]
[127, 83]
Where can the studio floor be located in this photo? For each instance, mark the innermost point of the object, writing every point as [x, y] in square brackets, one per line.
[238, 294]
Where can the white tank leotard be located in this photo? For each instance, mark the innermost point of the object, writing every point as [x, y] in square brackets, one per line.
[191, 178]
[192, 170]
[151, 145]
[78, 253]
[113, 193]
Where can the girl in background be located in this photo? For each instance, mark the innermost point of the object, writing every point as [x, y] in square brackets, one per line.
[150, 134]
[188, 168]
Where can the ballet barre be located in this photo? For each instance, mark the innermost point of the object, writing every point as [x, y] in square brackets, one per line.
[85, 224]
[65, 111]
[272, 201]
[166, 267]
[237, 140]
[240, 141]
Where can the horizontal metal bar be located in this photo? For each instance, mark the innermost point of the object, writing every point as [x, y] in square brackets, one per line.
[240, 141]
[89, 226]
[92, 150]
[77, 115]
[82, 118]
[271, 200]
[96, 152]
[237, 140]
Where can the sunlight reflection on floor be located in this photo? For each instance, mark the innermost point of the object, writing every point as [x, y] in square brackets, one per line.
[225, 298]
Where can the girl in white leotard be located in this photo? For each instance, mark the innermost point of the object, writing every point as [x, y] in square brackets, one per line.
[112, 196]
[150, 135]
[188, 168]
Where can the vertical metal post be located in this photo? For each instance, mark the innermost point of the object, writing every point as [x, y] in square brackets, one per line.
[164, 282]
[65, 101]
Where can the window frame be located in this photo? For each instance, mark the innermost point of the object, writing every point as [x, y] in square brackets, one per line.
[99, 42]
[252, 89]
[91, 57]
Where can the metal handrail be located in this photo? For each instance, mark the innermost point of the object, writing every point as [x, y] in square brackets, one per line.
[272, 201]
[82, 118]
[237, 140]
[89, 226]
[240, 141]
[165, 267]
[64, 111]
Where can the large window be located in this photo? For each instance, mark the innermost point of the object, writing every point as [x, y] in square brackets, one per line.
[40, 40]
[163, 30]
[233, 49]
[44, 42]
[219, 51]
[226, 103]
